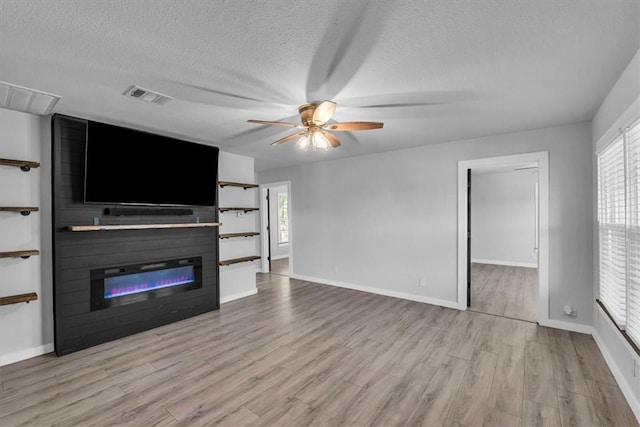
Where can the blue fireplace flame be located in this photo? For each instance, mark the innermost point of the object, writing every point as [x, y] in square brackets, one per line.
[148, 281]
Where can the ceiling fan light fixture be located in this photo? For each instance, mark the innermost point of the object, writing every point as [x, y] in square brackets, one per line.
[319, 142]
[314, 118]
[303, 143]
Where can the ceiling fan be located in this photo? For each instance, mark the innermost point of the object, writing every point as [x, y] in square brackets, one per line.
[315, 131]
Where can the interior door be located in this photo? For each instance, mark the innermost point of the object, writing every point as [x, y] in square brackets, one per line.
[269, 228]
[468, 237]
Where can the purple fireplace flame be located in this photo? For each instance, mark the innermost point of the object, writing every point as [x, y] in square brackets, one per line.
[129, 284]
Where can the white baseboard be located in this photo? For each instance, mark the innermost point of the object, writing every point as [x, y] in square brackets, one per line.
[28, 353]
[385, 292]
[238, 296]
[273, 258]
[567, 326]
[507, 263]
[634, 402]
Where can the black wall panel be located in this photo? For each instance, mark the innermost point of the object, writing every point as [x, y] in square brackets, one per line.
[76, 253]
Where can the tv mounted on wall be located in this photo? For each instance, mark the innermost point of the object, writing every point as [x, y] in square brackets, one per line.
[130, 167]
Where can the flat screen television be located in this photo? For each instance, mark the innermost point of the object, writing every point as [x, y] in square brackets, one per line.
[130, 167]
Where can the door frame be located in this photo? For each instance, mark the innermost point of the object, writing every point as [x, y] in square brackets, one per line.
[542, 159]
[264, 218]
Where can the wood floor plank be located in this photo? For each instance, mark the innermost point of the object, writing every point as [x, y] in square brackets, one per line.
[576, 410]
[566, 367]
[591, 360]
[610, 405]
[504, 291]
[496, 418]
[507, 389]
[438, 396]
[303, 354]
[539, 378]
[472, 396]
[539, 415]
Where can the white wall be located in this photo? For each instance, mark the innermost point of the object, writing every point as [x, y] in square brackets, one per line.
[237, 280]
[620, 106]
[503, 218]
[277, 251]
[384, 221]
[26, 330]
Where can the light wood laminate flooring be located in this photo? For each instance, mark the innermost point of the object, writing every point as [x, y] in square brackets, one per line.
[280, 266]
[504, 291]
[305, 354]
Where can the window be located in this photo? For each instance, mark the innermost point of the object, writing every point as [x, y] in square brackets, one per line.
[619, 230]
[283, 219]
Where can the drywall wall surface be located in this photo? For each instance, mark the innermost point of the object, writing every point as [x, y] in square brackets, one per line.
[620, 107]
[26, 330]
[503, 219]
[237, 280]
[622, 95]
[385, 221]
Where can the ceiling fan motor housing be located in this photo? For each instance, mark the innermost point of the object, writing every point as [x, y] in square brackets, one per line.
[306, 113]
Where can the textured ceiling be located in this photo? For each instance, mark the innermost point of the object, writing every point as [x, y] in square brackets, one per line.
[432, 71]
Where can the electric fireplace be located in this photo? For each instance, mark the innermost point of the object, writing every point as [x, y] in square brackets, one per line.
[122, 285]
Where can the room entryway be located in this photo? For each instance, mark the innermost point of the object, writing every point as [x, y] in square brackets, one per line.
[276, 229]
[503, 240]
[503, 236]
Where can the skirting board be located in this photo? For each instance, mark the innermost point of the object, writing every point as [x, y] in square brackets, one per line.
[507, 263]
[28, 353]
[238, 296]
[401, 295]
[633, 401]
[567, 326]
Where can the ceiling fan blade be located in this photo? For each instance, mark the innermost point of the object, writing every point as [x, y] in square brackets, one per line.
[266, 122]
[352, 126]
[323, 112]
[288, 138]
[333, 141]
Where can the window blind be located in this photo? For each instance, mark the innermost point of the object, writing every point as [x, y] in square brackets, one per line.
[612, 230]
[632, 137]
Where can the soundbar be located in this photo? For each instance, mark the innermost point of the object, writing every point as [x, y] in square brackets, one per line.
[147, 211]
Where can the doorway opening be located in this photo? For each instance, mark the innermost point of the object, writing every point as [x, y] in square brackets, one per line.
[275, 204]
[503, 240]
[503, 236]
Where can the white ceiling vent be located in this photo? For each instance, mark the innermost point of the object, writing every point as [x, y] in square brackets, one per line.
[147, 95]
[27, 100]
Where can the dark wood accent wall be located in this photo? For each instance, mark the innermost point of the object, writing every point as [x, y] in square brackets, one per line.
[76, 253]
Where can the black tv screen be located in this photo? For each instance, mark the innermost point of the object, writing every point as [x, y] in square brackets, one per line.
[126, 166]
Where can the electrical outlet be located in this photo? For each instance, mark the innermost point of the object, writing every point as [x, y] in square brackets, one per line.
[422, 282]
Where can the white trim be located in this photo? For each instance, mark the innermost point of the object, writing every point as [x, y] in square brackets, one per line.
[507, 263]
[632, 400]
[625, 119]
[238, 296]
[542, 159]
[279, 257]
[377, 291]
[25, 354]
[567, 326]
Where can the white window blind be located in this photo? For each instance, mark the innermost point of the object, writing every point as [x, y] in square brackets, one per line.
[632, 141]
[612, 224]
